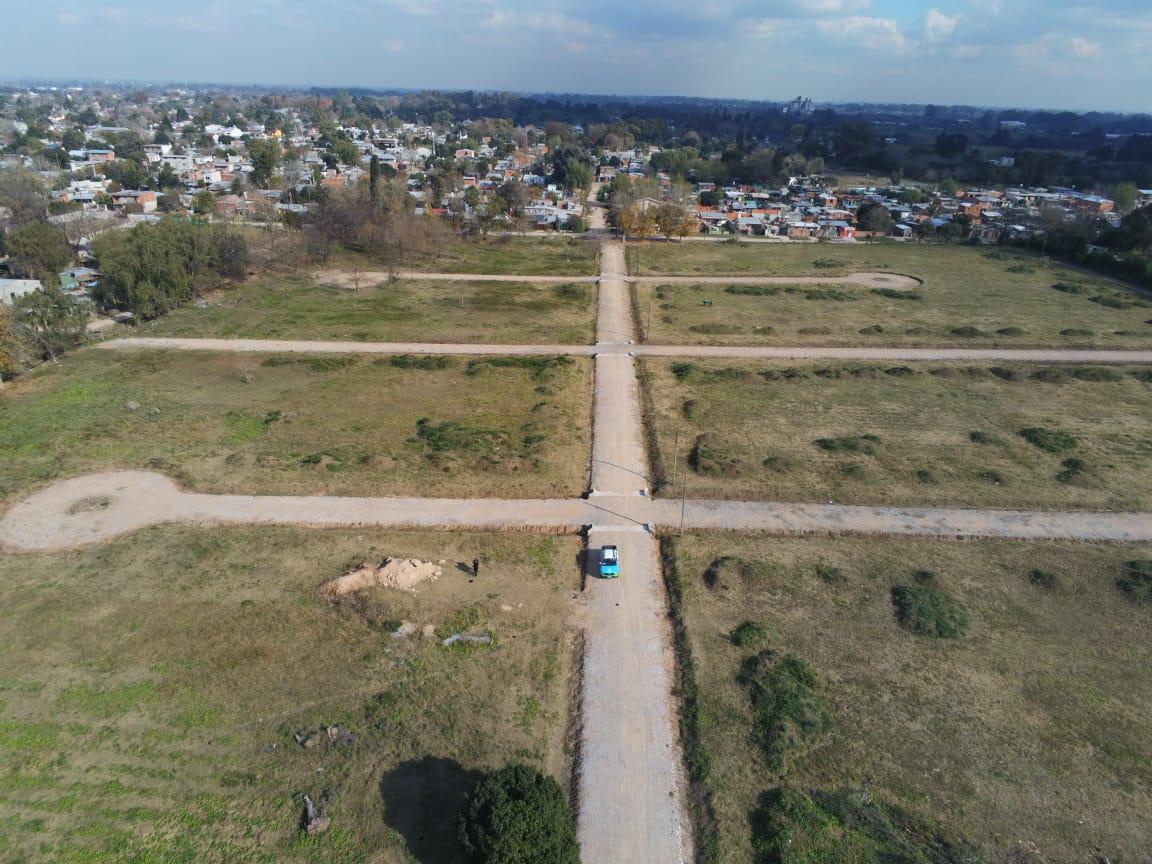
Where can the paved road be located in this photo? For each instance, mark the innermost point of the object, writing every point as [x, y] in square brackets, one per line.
[605, 328]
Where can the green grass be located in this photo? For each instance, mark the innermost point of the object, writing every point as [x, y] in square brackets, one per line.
[150, 690]
[404, 311]
[967, 299]
[513, 256]
[921, 434]
[288, 424]
[934, 745]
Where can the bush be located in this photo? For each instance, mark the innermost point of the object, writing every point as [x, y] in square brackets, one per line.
[778, 464]
[716, 329]
[828, 573]
[849, 444]
[789, 714]
[968, 332]
[754, 290]
[1048, 440]
[925, 610]
[827, 263]
[1137, 581]
[1005, 374]
[408, 361]
[897, 294]
[1096, 373]
[1070, 470]
[729, 567]
[1050, 376]
[790, 828]
[1112, 302]
[748, 634]
[873, 330]
[683, 371]
[704, 458]
[1070, 287]
[1011, 331]
[518, 816]
[983, 438]
[1076, 332]
[1044, 579]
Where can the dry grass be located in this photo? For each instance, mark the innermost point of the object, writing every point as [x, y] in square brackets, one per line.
[802, 438]
[1032, 729]
[403, 311]
[149, 690]
[963, 288]
[336, 425]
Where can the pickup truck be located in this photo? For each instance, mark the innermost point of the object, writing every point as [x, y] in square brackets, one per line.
[609, 562]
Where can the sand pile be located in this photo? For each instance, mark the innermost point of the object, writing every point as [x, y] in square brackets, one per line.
[402, 573]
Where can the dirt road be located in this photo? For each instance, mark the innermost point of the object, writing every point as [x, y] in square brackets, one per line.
[365, 278]
[866, 280]
[610, 328]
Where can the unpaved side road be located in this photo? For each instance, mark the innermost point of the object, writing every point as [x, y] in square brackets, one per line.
[895, 281]
[606, 346]
[365, 278]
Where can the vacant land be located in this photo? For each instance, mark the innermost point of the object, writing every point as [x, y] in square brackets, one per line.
[1012, 436]
[150, 691]
[968, 299]
[401, 311]
[1029, 732]
[276, 424]
[517, 256]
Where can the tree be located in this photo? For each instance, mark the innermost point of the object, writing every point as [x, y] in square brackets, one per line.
[854, 141]
[204, 202]
[374, 178]
[874, 217]
[519, 816]
[265, 154]
[949, 145]
[24, 194]
[672, 220]
[48, 321]
[39, 250]
[1125, 194]
[346, 152]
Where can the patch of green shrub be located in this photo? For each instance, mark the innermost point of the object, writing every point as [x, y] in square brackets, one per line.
[1111, 302]
[730, 567]
[517, 814]
[789, 712]
[978, 437]
[683, 371]
[1136, 581]
[967, 332]
[1070, 470]
[1048, 440]
[1004, 373]
[716, 329]
[1070, 287]
[849, 444]
[754, 290]
[1021, 268]
[748, 634]
[422, 361]
[993, 477]
[926, 610]
[833, 294]
[873, 330]
[541, 368]
[688, 409]
[1044, 579]
[897, 294]
[706, 459]
[1096, 373]
[1050, 376]
[328, 363]
[1076, 332]
[828, 573]
[789, 374]
[900, 371]
[778, 464]
[828, 263]
[1011, 331]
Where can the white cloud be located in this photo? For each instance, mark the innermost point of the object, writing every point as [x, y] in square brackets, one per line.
[876, 33]
[393, 46]
[938, 26]
[1082, 47]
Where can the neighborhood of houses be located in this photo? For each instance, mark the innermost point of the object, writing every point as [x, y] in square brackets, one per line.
[273, 170]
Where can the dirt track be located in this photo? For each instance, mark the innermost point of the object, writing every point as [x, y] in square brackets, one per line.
[301, 346]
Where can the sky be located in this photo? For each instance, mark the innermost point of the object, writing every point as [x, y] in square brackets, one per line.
[1061, 54]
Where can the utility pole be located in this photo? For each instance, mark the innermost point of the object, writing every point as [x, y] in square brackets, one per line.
[676, 454]
[683, 502]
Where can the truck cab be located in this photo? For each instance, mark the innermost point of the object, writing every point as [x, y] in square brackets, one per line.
[609, 562]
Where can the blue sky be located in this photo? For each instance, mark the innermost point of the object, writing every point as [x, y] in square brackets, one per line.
[1077, 54]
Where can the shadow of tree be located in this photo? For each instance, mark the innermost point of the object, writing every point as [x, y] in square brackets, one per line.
[422, 800]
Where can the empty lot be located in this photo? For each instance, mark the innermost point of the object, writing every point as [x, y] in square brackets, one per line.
[906, 434]
[384, 311]
[1030, 733]
[266, 424]
[151, 690]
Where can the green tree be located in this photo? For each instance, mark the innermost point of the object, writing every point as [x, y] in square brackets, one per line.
[519, 816]
[24, 194]
[73, 139]
[39, 250]
[1125, 194]
[346, 152]
[204, 202]
[374, 178]
[265, 154]
[48, 321]
[874, 217]
[167, 178]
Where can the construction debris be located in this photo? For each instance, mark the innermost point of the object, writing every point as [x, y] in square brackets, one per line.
[331, 735]
[315, 819]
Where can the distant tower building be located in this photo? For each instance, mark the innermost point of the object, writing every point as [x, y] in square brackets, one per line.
[799, 105]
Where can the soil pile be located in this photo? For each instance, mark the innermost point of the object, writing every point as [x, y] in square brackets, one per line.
[401, 573]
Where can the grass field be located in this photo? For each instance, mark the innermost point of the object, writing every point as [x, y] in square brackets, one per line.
[968, 299]
[516, 256]
[404, 311]
[150, 690]
[1028, 734]
[280, 424]
[925, 434]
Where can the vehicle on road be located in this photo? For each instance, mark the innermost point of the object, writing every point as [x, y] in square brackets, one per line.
[609, 562]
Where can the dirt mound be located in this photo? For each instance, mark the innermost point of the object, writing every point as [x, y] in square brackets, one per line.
[402, 573]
